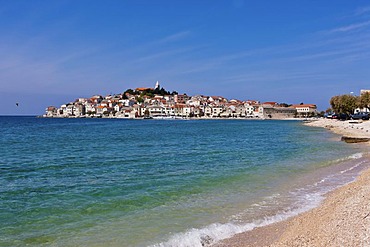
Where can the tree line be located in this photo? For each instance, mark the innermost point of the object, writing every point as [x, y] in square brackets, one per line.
[150, 92]
[348, 103]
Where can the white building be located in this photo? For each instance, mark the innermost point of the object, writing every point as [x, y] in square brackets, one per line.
[305, 108]
[216, 111]
[249, 110]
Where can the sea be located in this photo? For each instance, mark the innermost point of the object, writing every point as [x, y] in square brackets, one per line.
[117, 182]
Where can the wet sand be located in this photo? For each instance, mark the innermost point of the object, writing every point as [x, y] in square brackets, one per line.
[343, 218]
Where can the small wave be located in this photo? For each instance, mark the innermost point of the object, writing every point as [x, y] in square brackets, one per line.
[330, 181]
[356, 156]
[353, 167]
[217, 232]
[306, 198]
[351, 157]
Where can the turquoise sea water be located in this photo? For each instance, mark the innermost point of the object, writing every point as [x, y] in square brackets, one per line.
[110, 182]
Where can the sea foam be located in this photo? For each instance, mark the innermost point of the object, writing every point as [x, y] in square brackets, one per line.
[306, 198]
[217, 232]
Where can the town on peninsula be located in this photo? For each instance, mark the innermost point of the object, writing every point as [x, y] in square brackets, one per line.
[157, 103]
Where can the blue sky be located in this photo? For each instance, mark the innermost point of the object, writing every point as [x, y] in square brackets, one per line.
[286, 51]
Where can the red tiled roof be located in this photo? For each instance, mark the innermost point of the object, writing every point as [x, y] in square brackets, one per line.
[269, 103]
[304, 105]
[143, 88]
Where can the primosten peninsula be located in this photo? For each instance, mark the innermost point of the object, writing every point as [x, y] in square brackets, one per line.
[157, 103]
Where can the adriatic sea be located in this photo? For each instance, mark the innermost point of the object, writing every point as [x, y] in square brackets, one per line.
[114, 182]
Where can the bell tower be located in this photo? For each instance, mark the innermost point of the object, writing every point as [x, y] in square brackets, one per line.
[156, 85]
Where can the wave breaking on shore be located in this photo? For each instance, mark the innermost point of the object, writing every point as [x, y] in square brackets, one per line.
[300, 200]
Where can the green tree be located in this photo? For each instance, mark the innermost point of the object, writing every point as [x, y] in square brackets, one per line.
[140, 100]
[364, 100]
[344, 103]
[285, 105]
[130, 91]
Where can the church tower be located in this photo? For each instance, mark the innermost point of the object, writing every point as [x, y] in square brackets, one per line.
[156, 85]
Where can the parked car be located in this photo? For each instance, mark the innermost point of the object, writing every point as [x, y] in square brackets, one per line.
[360, 115]
[344, 116]
[335, 116]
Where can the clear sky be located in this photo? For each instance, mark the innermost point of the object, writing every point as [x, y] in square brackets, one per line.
[290, 51]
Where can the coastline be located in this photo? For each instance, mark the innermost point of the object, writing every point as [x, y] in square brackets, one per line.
[354, 128]
[342, 219]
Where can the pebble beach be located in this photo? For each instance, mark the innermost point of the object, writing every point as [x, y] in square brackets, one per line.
[342, 219]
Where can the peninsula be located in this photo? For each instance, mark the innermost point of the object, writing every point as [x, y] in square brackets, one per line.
[157, 103]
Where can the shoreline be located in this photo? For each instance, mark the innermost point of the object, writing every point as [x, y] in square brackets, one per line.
[175, 118]
[355, 129]
[341, 219]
